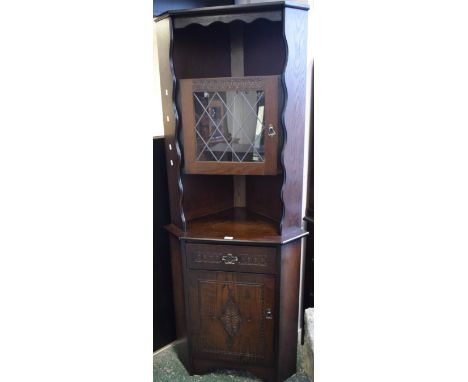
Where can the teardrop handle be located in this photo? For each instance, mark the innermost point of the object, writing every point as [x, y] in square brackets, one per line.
[271, 130]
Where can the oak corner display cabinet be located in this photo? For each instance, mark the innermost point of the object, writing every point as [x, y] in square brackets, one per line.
[233, 84]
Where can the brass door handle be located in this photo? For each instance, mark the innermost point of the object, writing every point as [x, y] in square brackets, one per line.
[229, 259]
[271, 130]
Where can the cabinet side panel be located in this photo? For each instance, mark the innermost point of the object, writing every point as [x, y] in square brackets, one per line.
[164, 330]
[178, 281]
[173, 153]
[294, 81]
[310, 174]
[178, 284]
[308, 283]
[288, 309]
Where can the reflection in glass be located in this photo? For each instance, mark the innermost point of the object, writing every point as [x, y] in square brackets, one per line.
[229, 126]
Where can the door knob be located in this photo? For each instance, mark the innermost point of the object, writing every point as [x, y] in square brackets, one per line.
[268, 314]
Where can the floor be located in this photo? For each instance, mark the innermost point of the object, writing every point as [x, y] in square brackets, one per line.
[168, 368]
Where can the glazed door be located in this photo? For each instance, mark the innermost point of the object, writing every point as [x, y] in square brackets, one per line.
[230, 125]
[232, 316]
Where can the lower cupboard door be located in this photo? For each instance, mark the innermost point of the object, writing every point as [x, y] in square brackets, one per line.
[232, 316]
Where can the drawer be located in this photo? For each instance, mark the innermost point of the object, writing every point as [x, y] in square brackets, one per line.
[231, 258]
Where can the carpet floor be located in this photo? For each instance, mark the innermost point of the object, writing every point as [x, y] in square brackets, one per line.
[168, 368]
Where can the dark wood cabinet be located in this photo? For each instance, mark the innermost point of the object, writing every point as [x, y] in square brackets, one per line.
[233, 99]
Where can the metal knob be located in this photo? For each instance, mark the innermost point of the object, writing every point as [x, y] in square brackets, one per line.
[229, 259]
[268, 314]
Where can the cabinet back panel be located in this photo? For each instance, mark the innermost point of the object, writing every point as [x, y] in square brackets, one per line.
[264, 49]
[207, 194]
[263, 196]
[202, 52]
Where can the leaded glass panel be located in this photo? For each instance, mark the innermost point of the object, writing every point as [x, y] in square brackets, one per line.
[230, 125]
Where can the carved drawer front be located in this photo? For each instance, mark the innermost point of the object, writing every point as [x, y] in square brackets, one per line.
[232, 316]
[231, 258]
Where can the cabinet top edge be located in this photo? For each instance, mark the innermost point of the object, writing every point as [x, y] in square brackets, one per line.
[260, 241]
[228, 9]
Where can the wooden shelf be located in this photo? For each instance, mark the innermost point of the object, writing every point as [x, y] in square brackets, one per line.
[240, 224]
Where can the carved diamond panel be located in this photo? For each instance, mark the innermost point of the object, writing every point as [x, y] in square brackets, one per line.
[227, 316]
[231, 320]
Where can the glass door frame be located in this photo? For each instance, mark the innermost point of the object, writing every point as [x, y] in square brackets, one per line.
[270, 87]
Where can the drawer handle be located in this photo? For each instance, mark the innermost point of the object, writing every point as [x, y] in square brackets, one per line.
[229, 259]
[268, 314]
